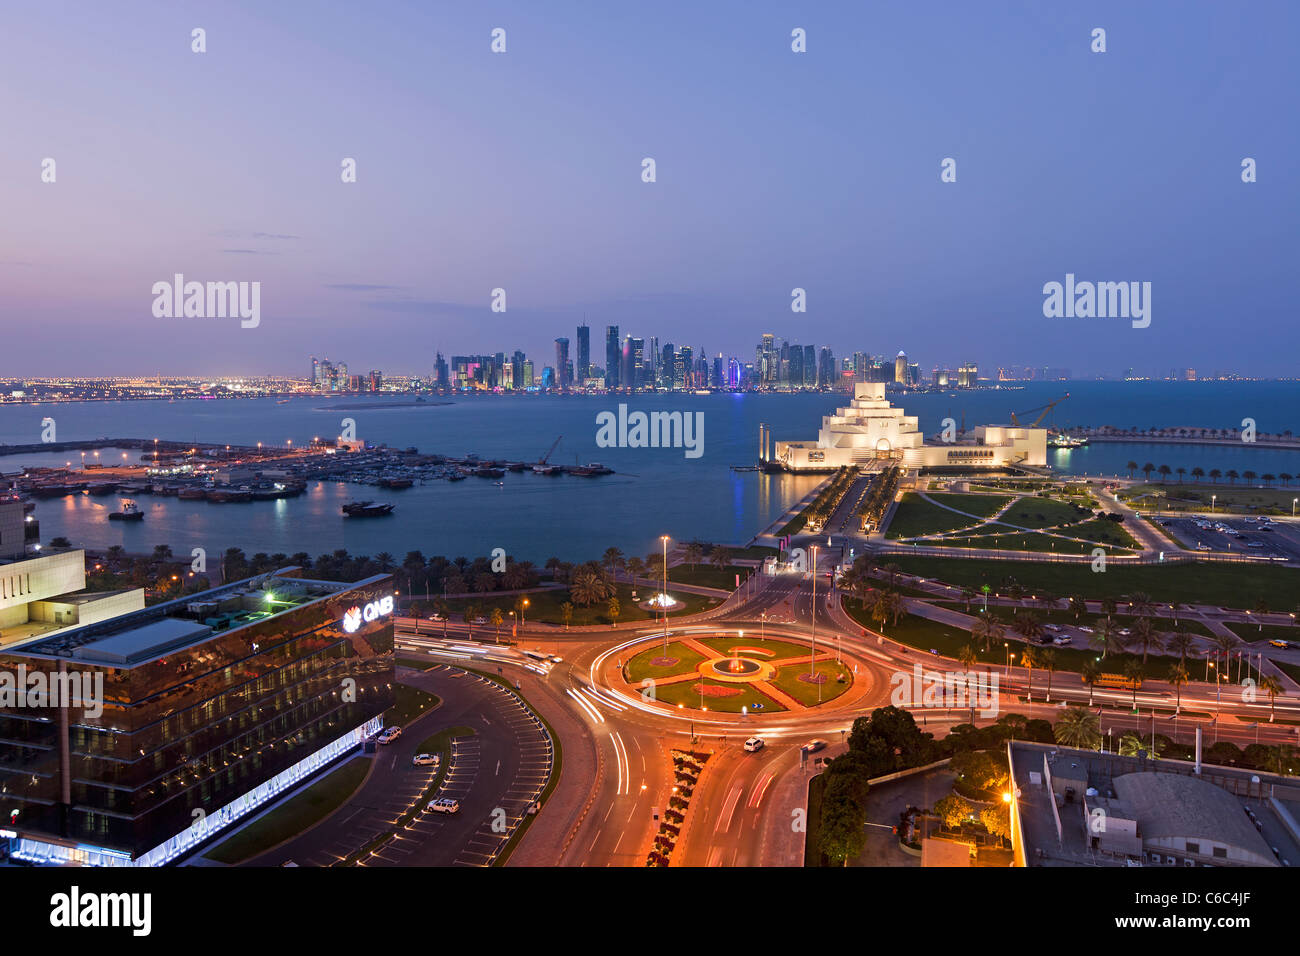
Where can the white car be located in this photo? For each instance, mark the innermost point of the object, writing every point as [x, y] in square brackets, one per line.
[1084, 628]
[426, 760]
[389, 735]
[443, 805]
[556, 659]
[753, 745]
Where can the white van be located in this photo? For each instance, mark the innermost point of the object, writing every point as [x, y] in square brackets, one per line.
[753, 744]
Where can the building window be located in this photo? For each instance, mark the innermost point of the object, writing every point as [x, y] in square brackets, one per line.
[1221, 852]
[1192, 847]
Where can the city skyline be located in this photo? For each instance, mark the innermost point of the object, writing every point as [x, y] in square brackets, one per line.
[775, 171]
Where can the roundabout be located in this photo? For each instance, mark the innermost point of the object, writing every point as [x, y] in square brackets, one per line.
[720, 672]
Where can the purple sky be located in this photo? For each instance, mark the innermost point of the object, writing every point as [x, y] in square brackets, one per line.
[522, 170]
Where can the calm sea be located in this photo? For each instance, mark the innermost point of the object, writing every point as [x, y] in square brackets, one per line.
[655, 492]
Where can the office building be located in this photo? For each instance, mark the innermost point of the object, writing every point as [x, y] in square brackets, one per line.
[613, 356]
[180, 720]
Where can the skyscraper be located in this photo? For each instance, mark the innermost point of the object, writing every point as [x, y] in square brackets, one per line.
[900, 368]
[562, 362]
[613, 353]
[584, 353]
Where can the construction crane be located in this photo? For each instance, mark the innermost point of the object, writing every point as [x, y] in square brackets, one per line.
[546, 457]
[1041, 409]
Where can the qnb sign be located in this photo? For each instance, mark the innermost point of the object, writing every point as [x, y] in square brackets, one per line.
[354, 617]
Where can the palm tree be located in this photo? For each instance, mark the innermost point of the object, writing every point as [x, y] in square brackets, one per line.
[1134, 672]
[613, 558]
[1108, 606]
[496, 617]
[443, 610]
[1145, 635]
[885, 603]
[567, 610]
[1177, 678]
[1047, 661]
[1140, 603]
[1181, 643]
[986, 630]
[1164, 473]
[1078, 727]
[385, 561]
[1079, 605]
[692, 554]
[1029, 658]
[1028, 624]
[967, 595]
[1224, 645]
[1181, 471]
[1215, 475]
[635, 568]
[720, 557]
[1090, 673]
[471, 612]
[1147, 469]
[1280, 759]
[614, 610]
[1132, 466]
[588, 587]
[1271, 686]
[968, 656]
[1232, 476]
[1198, 473]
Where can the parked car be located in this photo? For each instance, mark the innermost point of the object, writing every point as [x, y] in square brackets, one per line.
[426, 760]
[443, 805]
[1084, 628]
[389, 735]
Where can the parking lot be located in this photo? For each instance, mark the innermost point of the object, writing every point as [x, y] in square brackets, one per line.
[1279, 540]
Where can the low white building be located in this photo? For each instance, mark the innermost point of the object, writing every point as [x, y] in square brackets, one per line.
[870, 429]
[39, 596]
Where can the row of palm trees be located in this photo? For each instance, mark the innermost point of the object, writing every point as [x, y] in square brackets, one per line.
[1081, 727]
[1164, 471]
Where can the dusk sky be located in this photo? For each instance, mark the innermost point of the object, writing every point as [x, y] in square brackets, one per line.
[522, 170]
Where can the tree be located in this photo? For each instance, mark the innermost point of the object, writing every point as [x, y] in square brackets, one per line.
[635, 568]
[1215, 475]
[588, 586]
[443, 610]
[1029, 658]
[1177, 678]
[953, 811]
[1047, 661]
[1271, 686]
[1146, 636]
[997, 820]
[566, 609]
[1107, 637]
[1198, 472]
[613, 559]
[720, 557]
[844, 813]
[1029, 624]
[967, 595]
[692, 554]
[1147, 469]
[1181, 643]
[968, 656]
[1090, 673]
[1079, 605]
[496, 618]
[1132, 467]
[62, 542]
[614, 610]
[1232, 476]
[1134, 672]
[471, 614]
[1108, 606]
[1164, 473]
[1078, 727]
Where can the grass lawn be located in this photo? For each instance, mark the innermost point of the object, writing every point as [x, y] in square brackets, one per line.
[1226, 585]
[1024, 541]
[924, 635]
[546, 606]
[1036, 512]
[687, 694]
[812, 855]
[415, 662]
[1290, 670]
[983, 505]
[1251, 633]
[1196, 497]
[410, 703]
[1102, 531]
[787, 679]
[915, 516]
[639, 667]
[294, 815]
[779, 649]
[707, 576]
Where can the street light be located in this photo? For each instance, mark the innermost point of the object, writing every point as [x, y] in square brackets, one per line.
[664, 540]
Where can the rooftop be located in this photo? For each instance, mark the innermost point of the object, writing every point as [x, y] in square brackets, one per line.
[141, 636]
